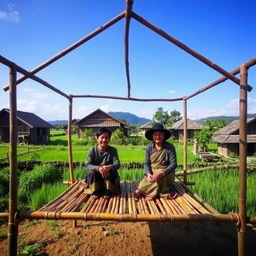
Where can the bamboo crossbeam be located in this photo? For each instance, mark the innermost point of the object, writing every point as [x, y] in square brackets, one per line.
[129, 217]
[31, 76]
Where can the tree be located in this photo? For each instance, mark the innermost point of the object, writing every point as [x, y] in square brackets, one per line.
[165, 118]
[88, 135]
[209, 128]
[175, 116]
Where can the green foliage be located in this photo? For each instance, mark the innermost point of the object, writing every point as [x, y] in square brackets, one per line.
[203, 138]
[44, 195]
[79, 173]
[118, 138]
[30, 181]
[89, 136]
[130, 175]
[35, 156]
[165, 118]
[219, 188]
[55, 226]
[31, 250]
[4, 189]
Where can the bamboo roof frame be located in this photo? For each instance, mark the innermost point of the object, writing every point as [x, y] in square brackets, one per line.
[240, 219]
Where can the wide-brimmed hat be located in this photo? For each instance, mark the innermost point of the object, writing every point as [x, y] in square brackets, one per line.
[157, 127]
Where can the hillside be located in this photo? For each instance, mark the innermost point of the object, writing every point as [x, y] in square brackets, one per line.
[129, 118]
[228, 118]
[58, 122]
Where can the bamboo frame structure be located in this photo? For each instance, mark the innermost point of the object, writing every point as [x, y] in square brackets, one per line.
[115, 209]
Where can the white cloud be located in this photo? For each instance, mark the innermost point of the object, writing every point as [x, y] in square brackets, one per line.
[172, 91]
[26, 89]
[40, 95]
[231, 109]
[11, 14]
[27, 105]
[251, 105]
[105, 108]
[81, 112]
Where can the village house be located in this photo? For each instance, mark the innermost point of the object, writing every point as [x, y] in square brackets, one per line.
[228, 138]
[98, 119]
[145, 127]
[31, 128]
[177, 129]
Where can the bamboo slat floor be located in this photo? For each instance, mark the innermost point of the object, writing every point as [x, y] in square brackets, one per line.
[75, 200]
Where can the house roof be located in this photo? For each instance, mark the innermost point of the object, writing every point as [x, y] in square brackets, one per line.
[226, 134]
[191, 125]
[30, 119]
[251, 138]
[147, 125]
[99, 118]
[231, 128]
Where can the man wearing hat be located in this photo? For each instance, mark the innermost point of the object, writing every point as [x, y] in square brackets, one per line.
[159, 165]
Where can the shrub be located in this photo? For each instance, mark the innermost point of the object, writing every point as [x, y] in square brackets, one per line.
[30, 181]
[4, 187]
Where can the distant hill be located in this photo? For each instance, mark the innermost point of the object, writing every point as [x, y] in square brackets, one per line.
[129, 118]
[58, 122]
[228, 118]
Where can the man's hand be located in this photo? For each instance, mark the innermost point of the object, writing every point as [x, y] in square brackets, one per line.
[104, 170]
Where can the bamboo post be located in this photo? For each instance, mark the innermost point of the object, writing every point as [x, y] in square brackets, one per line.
[70, 156]
[128, 11]
[12, 224]
[185, 132]
[242, 157]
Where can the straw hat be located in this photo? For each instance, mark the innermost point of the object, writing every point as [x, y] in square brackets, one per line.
[157, 127]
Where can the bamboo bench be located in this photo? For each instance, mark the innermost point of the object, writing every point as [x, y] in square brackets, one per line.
[75, 204]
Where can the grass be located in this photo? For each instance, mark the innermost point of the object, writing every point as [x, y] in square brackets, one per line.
[55, 227]
[31, 249]
[59, 152]
[220, 189]
[45, 194]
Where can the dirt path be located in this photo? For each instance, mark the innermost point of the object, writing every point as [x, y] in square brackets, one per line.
[132, 239]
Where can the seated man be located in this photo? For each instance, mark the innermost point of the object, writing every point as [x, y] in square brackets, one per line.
[102, 164]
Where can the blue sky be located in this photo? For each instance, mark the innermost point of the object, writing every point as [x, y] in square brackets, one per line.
[34, 31]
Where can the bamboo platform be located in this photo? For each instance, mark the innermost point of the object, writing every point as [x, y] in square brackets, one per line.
[124, 207]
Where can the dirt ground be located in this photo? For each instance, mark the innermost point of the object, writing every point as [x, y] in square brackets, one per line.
[130, 238]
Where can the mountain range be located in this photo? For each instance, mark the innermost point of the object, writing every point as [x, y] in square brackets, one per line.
[129, 118]
[136, 120]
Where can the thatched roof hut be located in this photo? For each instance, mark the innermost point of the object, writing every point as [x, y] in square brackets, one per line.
[228, 138]
[177, 129]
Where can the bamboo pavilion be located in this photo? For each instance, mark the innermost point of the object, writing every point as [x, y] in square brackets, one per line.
[75, 205]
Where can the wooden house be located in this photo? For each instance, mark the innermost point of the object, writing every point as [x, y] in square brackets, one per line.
[74, 127]
[145, 127]
[228, 138]
[98, 119]
[31, 128]
[177, 129]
